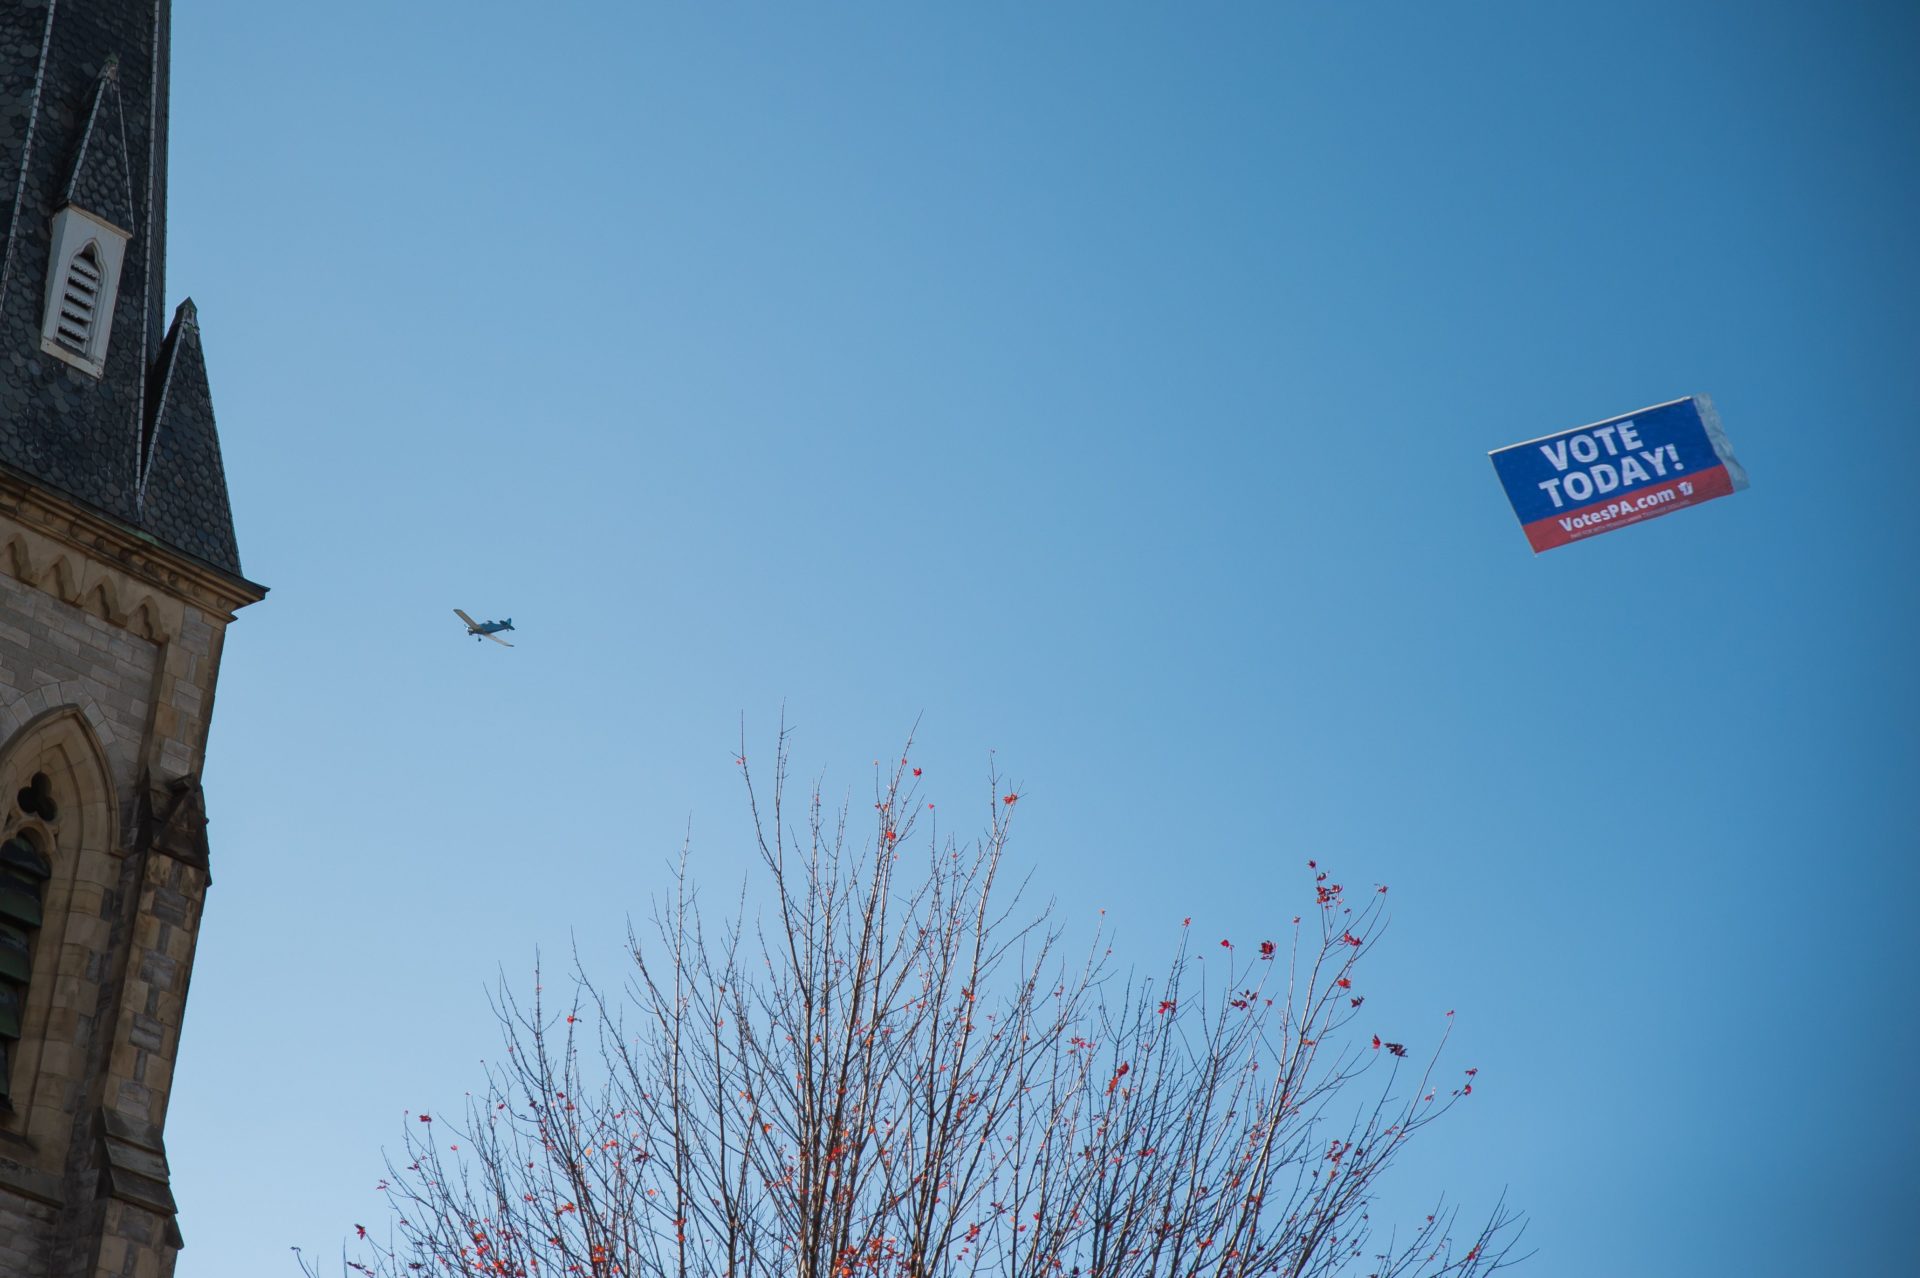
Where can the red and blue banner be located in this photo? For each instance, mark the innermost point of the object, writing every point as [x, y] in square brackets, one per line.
[1621, 471]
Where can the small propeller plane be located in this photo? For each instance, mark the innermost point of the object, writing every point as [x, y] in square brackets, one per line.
[486, 629]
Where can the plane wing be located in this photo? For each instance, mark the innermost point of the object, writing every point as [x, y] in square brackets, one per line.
[463, 616]
[497, 639]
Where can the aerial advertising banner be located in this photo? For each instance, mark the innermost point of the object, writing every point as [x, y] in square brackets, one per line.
[1583, 482]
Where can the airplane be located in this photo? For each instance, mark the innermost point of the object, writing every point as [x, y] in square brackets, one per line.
[486, 629]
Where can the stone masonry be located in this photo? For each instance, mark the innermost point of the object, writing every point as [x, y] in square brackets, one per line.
[107, 661]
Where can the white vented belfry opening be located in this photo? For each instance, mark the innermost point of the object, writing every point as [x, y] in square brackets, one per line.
[80, 301]
[83, 276]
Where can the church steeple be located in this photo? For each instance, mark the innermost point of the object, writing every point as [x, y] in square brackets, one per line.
[85, 352]
[118, 579]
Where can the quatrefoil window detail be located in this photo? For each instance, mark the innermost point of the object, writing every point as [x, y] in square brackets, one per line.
[36, 798]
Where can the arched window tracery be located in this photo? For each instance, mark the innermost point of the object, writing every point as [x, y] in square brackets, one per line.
[58, 834]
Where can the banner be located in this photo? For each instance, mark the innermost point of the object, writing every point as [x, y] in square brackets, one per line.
[1625, 470]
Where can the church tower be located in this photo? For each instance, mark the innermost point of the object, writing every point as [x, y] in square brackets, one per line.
[118, 576]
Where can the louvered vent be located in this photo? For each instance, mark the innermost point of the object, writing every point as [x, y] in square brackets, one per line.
[80, 301]
[83, 273]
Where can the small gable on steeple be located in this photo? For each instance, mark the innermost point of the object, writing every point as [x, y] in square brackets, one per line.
[90, 233]
[183, 486]
[101, 180]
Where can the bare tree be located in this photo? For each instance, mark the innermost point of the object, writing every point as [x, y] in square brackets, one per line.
[894, 1070]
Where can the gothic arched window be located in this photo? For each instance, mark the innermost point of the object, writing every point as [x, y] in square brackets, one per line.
[24, 871]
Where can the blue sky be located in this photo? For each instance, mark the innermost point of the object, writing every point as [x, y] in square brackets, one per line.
[1108, 389]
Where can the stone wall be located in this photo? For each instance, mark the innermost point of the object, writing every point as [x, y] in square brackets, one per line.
[108, 660]
[54, 654]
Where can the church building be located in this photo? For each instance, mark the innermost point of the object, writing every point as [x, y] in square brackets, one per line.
[118, 576]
